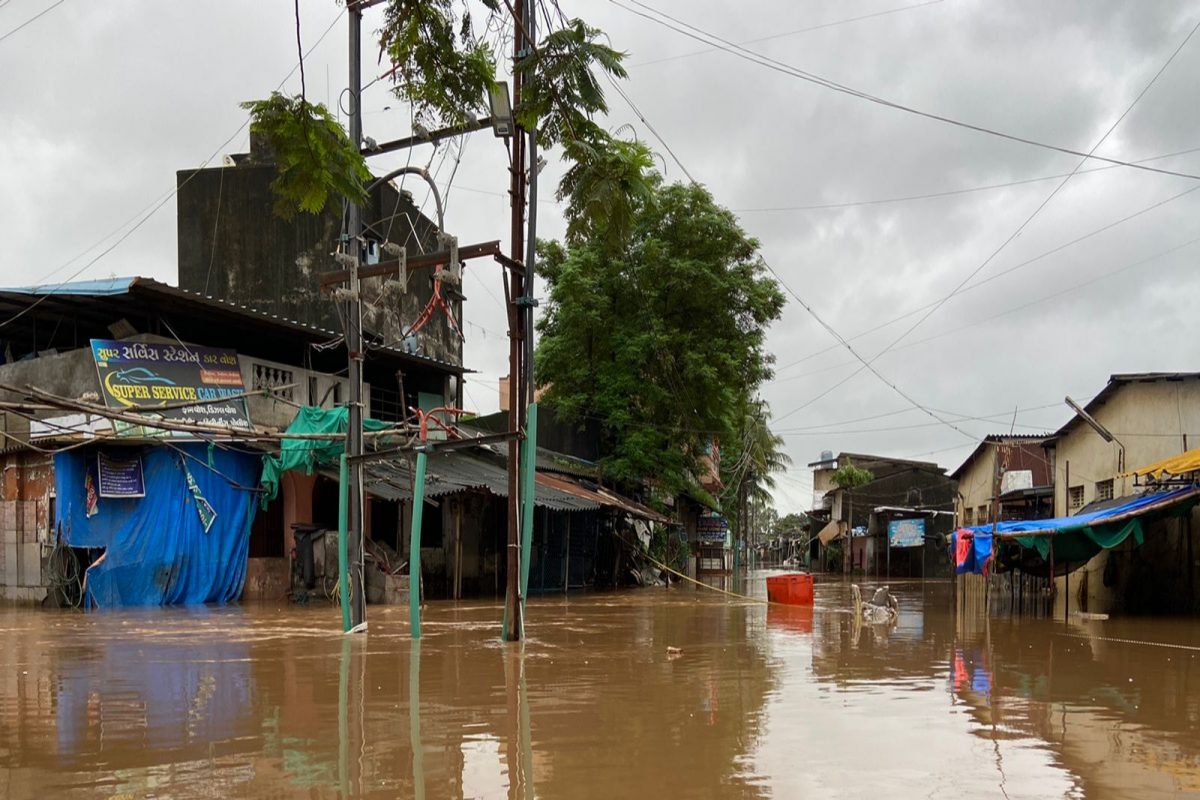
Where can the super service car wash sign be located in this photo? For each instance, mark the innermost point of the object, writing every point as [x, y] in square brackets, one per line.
[164, 380]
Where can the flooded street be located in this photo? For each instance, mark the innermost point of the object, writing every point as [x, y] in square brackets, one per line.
[651, 693]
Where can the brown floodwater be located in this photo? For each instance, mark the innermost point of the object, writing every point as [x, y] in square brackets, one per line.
[654, 693]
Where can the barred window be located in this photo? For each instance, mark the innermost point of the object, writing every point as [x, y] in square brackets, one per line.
[1075, 497]
[1104, 490]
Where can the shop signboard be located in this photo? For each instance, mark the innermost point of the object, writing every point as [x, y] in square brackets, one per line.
[196, 385]
[712, 529]
[906, 533]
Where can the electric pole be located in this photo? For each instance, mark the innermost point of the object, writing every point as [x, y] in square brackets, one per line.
[352, 329]
[516, 320]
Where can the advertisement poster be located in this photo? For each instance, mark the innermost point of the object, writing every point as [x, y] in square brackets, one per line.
[120, 476]
[171, 382]
[906, 533]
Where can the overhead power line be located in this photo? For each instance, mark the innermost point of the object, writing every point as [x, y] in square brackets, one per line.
[1014, 234]
[143, 217]
[795, 72]
[975, 323]
[949, 192]
[996, 276]
[810, 28]
[33, 19]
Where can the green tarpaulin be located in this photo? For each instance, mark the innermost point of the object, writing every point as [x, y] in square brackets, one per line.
[305, 454]
[1081, 544]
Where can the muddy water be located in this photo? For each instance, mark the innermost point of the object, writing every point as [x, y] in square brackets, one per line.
[655, 693]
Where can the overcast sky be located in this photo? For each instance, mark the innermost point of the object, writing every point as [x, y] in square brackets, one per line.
[101, 103]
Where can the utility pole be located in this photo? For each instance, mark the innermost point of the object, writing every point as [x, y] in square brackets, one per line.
[516, 319]
[352, 320]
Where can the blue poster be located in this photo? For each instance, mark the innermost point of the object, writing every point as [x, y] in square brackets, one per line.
[906, 533]
[120, 475]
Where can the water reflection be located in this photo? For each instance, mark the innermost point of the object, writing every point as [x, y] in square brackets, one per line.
[660, 693]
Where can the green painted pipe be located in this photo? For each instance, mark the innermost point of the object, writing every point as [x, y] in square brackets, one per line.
[343, 536]
[414, 721]
[529, 469]
[414, 548]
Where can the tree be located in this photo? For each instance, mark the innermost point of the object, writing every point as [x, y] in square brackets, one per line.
[444, 65]
[657, 335]
[849, 477]
[790, 525]
[750, 461]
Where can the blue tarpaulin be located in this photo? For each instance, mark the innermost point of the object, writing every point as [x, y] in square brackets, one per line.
[1077, 538]
[973, 558]
[156, 548]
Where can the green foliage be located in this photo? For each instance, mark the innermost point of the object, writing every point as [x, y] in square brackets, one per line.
[790, 524]
[848, 476]
[315, 159]
[662, 340]
[441, 67]
[751, 458]
[562, 91]
[607, 181]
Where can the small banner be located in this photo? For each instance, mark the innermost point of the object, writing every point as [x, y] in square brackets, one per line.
[906, 533]
[120, 475]
[204, 509]
[91, 499]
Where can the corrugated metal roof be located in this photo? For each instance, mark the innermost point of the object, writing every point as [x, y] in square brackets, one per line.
[456, 471]
[116, 287]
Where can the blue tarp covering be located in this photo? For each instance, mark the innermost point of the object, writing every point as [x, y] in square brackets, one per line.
[975, 560]
[156, 549]
[1143, 503]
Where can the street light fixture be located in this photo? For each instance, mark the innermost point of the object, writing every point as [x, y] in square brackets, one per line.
[500, 104]
[1104, 432]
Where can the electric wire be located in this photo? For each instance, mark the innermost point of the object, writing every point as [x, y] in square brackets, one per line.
[33, 19]
[787, 69]
[154, 207]
[1002, 273]
[795, 32]
[1029, 219]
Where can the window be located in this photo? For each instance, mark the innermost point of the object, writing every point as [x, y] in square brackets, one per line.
[1104, 490]
[1075, 497]
[967, 518]
[981, 515]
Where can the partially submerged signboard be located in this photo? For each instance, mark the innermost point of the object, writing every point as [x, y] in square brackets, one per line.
[159, 380]
[906, 533]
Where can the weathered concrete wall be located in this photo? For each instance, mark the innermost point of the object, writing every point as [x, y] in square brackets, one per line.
[26, 512]
[232, 246]
[1154, 420]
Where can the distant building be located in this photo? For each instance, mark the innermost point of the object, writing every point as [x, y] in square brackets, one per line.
[902, 489]
[1026, 475]
[1149, 416]
[233, 247]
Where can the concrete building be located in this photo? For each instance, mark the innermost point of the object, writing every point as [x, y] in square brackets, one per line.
[1149, 416]
[1026, 480]
[232, 246]
[901, 489]
[47, 343]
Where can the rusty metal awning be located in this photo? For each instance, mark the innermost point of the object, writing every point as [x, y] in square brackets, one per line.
[458, 471]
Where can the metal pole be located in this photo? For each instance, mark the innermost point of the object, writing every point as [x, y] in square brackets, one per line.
[354, 340]
[516, 317]
[529, 446]
[343, 557]
[414, 547]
